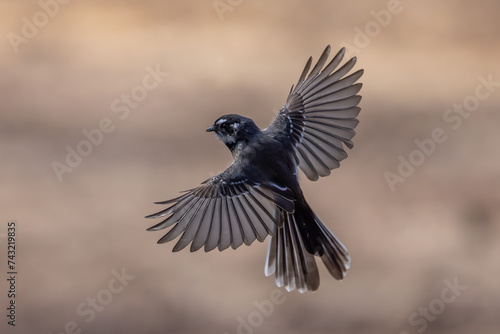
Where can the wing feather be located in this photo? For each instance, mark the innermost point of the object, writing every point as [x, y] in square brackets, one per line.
[226, 228]
[237, 234]
[320, 113]
[182, 222]
[192, 226]
[207, 222]
[215, 228]
[225, 211]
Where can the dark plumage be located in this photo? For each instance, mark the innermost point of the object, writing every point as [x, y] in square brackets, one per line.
[259, 194]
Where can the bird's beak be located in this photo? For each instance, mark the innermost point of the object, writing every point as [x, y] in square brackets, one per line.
[210, 129]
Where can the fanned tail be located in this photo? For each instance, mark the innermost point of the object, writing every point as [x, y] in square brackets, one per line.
[292, 250]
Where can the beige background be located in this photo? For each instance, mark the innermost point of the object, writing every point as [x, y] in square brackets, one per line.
[441, 224]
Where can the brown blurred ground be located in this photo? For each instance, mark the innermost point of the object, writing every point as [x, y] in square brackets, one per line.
[442, 223]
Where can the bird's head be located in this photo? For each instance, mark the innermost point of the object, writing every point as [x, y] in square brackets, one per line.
[234, 130]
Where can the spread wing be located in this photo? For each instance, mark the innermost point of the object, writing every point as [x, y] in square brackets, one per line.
[320, 113]
[228, 209]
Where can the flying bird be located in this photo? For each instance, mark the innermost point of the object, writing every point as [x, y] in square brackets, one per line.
[259, 195]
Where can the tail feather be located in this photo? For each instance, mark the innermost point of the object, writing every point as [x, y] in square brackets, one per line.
[287, 258]
[334, 254]
[292, 249]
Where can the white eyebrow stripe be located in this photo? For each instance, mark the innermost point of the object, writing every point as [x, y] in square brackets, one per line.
[220, 121]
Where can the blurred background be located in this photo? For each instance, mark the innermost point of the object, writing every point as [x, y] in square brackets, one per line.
[104, 107]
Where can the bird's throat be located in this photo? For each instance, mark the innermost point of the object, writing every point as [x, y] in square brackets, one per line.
[235, 148]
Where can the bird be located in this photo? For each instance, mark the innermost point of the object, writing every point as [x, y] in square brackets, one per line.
[259, 194]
